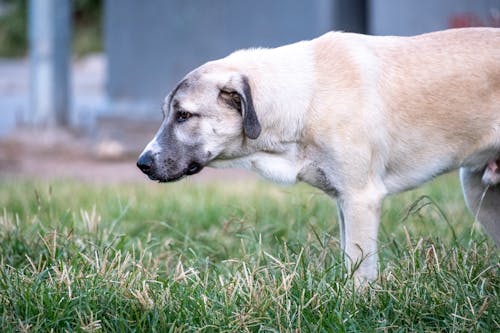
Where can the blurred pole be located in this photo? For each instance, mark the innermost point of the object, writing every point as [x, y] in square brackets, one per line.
[50, 44]
[351, 16]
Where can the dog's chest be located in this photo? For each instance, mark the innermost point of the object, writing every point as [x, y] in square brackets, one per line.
[319, 177]
[278, 168]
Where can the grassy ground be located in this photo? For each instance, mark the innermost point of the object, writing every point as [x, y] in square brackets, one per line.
[235, 258]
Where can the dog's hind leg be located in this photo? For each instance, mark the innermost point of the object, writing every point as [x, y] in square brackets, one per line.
[483, 200]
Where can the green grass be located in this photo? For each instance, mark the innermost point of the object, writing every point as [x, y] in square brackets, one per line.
[241, 257]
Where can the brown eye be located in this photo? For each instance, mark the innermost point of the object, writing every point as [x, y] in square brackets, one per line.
[182, 116]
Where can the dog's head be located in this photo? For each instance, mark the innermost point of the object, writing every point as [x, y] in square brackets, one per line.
[207, 116]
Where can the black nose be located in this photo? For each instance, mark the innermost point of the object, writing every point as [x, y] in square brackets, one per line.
[145, 162]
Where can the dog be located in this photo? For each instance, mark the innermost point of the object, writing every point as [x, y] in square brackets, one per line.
[359, 117]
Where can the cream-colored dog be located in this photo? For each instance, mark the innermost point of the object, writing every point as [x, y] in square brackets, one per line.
[357, 116]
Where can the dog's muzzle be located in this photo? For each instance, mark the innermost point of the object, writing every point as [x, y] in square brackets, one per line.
[169, 172]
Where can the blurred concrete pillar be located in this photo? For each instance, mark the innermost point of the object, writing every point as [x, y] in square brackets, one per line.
[50, 45]
[350, 16]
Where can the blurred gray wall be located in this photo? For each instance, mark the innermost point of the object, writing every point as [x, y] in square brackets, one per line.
[152, 44]
[411, 17]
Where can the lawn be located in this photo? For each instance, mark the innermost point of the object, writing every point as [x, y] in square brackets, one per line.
[238, 257]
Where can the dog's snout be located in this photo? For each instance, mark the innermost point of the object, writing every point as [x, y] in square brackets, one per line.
[145, 162]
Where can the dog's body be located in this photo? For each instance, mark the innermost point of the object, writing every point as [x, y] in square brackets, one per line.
[357, 116]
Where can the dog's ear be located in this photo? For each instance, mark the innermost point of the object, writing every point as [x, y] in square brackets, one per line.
[240, 98]
[251, 124]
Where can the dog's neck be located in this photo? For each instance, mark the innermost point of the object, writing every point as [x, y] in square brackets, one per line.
[282, 106]
[283, 93]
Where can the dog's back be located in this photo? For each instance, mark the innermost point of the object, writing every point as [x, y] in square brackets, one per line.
[432, 102]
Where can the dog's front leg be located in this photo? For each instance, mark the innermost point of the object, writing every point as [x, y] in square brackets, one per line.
[341, 227]
[360, 212]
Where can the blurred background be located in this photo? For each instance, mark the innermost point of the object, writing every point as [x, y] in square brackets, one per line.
[82, 81]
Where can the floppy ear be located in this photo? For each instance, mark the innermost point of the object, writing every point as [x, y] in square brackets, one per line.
[241, 99]
[251, 124]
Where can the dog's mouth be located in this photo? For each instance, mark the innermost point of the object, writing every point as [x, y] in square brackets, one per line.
[193, 168]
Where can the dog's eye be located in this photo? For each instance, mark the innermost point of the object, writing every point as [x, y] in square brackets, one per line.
[183, 116]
